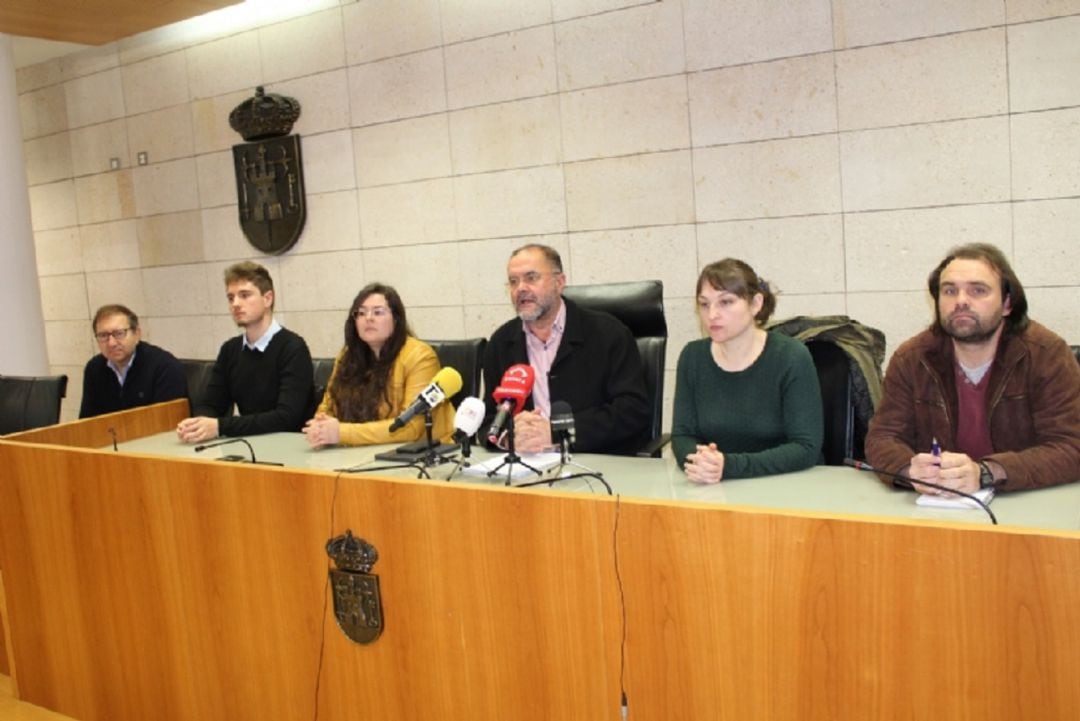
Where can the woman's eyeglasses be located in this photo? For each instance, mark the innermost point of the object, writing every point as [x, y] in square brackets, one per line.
[379, 311]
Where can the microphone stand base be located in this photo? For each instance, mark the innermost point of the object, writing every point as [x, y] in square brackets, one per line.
[461, 463]
[509, 461]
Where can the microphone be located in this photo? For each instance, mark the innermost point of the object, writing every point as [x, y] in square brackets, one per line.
[225, 442]
[112, 432]
[908, 481]
[467, 421]
[446, 383]
[510, 395]
[562, 423]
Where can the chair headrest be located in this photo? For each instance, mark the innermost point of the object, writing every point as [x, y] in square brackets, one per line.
[638, 304]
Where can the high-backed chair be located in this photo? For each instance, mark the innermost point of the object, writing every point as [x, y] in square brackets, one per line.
[837, 403]
[640, 306]
[466, 357]
[848, 356]
[30, 402]
[322, 368]
[197, 372]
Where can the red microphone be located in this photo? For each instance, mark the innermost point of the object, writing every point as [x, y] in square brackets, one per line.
[510, 395]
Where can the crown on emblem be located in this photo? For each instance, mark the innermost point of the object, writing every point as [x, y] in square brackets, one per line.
[351, 553]
[265, 115]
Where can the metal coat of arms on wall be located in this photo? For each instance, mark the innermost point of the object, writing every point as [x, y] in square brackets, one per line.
[357, 602]
[269, 171]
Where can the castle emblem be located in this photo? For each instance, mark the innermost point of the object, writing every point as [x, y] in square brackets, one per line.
[357, 603]
[269, 171]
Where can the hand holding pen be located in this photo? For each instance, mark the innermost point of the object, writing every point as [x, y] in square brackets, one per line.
[927, 467]
[945, 468]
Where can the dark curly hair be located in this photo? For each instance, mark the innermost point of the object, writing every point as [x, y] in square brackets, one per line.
[360, 384]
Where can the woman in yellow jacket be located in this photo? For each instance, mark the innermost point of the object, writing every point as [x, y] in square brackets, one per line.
[381, 370]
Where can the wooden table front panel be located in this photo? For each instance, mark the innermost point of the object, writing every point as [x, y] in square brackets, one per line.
[742, 615]
[140, 587]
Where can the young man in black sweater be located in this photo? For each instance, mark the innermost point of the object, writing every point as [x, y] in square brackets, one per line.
[128, 372]
[266, 372]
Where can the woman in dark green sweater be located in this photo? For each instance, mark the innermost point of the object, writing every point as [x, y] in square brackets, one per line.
[747, 401]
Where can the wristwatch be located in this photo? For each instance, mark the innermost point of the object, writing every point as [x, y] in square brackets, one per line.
[986, 476]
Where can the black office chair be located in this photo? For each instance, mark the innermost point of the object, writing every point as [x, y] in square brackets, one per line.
[30, 402]
[848, 357]
[466, 357]
[322, 369]
[842, 437]
[640, 306]
[197, 372]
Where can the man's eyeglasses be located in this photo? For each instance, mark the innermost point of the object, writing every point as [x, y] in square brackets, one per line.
[378, 311]
[531, 278]
[119, 334]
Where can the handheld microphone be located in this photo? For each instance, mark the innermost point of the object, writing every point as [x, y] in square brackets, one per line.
[562, 423]
[908, 483]
[225, 442]
[510, 395]
[446, 383]
[467, 420]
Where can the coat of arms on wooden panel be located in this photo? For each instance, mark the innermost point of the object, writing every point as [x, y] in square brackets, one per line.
[357, 600]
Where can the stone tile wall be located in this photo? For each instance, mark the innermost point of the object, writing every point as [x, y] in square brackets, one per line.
[840, 147]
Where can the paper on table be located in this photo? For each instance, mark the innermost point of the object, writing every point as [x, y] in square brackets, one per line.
[540, 461]
[983, 494]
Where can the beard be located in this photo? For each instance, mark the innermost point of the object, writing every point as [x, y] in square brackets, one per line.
[979, 330]
[541, 306]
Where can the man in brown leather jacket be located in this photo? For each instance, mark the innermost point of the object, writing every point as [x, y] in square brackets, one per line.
[985, 396]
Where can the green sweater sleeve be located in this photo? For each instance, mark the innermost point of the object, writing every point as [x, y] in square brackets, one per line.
[684, 425]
